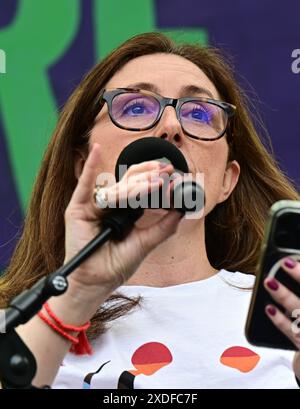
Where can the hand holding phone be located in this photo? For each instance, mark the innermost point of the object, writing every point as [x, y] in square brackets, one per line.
[281, 239]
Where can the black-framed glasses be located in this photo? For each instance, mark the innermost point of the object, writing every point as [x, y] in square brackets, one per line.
[138, 110]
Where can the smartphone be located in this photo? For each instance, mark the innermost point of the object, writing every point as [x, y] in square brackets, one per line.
[281, 239]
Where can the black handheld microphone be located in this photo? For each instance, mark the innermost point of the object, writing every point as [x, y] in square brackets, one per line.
[150, 148]
[186, 196]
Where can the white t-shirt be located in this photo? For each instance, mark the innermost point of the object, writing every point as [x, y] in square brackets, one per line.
[185, 336]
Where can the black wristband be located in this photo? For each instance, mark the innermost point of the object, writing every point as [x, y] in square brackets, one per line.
[298, 381]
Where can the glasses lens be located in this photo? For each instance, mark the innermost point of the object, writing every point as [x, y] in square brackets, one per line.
[203, 119]
[135, 110]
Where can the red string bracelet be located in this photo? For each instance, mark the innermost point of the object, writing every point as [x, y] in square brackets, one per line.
[80, 344]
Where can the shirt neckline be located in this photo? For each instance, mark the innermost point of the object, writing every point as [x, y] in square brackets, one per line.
[203, 282]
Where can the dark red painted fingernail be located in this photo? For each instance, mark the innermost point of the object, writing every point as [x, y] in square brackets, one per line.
[272, 284]
[290, 262]
[271, 310]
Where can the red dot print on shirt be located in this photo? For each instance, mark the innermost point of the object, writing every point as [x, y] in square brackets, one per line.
[150, 357]
[240, 358]
[147, 360]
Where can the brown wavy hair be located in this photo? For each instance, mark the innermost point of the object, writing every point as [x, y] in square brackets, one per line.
[233, 229]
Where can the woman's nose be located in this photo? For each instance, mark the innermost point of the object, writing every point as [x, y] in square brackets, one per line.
[169, 127]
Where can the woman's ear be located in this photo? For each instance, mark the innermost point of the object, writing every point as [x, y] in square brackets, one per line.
[79, 162]
[231, 177]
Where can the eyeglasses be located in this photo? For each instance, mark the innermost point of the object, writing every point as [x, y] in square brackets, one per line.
[137, 110]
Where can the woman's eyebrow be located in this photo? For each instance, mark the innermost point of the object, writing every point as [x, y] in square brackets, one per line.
[147, 86]
[196, 90]
[184, 91]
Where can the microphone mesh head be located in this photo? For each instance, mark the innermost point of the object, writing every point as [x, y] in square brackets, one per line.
[146, 149]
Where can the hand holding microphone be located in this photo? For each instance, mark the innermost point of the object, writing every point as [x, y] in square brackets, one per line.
[115, 262]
